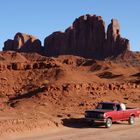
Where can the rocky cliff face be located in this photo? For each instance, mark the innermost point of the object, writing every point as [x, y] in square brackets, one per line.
[54, 44]
[23, 43]
[115, 44]
[86, 37]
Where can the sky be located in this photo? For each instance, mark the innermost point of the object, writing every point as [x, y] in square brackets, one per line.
[43, 17]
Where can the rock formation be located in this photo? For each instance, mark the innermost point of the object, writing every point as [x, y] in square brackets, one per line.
[54, 44]
[23, 43]
[115, 44]
[86, 37]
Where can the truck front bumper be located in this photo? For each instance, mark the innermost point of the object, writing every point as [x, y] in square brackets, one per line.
[98, 120]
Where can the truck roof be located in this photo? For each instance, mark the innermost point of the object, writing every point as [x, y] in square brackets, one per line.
[109, 102]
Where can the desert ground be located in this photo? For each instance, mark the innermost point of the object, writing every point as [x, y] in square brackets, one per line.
[82, 131]
[45, 97]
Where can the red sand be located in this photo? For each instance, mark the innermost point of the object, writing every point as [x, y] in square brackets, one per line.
[38, 92]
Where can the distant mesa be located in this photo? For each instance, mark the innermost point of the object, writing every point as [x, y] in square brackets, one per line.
[86, 37]
[23, 43]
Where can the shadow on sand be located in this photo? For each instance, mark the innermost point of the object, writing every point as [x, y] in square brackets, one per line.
[82, 123]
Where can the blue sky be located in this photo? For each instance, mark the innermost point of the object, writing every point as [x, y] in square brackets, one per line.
[42, 17]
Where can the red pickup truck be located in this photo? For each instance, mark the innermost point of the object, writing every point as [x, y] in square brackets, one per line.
[108, 112]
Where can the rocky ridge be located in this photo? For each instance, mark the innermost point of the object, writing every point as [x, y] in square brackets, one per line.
[86, 37]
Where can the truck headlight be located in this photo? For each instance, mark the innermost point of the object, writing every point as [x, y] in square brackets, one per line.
[102, 115]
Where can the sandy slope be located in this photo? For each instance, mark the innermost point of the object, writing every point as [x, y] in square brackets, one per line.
[37, 92]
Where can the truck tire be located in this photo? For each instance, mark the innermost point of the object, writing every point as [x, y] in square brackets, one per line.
[131, 120]
[108, 123]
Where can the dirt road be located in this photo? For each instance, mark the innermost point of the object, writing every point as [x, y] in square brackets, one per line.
[121, 131]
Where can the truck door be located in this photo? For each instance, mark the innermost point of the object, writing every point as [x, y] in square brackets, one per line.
[120, 112]
[126, 114]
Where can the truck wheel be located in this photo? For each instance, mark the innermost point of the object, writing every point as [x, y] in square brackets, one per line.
[108, 123]
[131, 120]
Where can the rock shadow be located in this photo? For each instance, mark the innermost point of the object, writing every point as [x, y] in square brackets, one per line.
[108, 75]
[28, 94]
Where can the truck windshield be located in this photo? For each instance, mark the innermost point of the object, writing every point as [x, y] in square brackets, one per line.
[105, 106]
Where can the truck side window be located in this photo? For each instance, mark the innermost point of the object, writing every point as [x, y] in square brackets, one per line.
[118, 107]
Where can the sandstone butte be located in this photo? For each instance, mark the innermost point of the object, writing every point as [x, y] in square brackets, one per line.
[86, 37]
